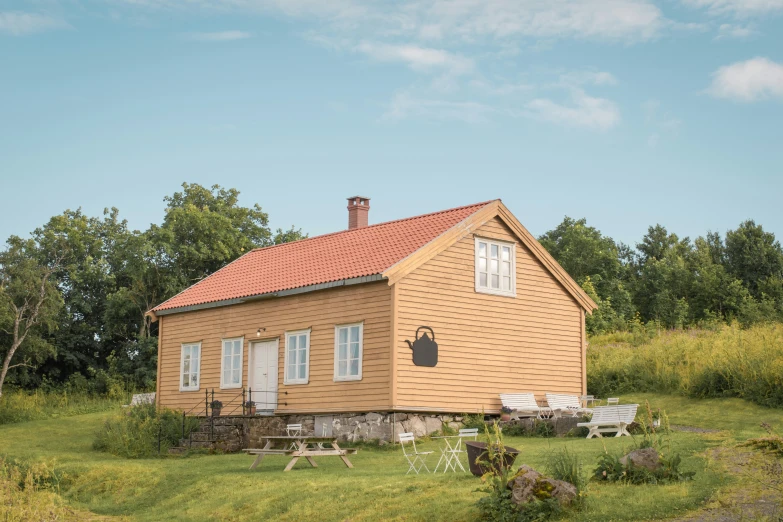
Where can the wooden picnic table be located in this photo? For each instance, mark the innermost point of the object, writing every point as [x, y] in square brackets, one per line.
[306, 446]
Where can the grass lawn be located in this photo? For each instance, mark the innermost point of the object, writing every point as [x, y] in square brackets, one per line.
[204, 487]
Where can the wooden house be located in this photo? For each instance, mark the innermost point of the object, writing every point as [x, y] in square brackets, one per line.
[328, 324]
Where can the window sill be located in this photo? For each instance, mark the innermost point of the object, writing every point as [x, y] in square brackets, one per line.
[347, 379]
[495, 292]
[189, 389]
[295, 383]
[230, 386]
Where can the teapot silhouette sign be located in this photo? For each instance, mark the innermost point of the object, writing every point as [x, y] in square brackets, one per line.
[425, 350]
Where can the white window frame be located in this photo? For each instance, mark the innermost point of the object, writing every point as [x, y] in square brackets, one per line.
[297, 380]
[337, 328]
[182, 367]
[500, 244]
[224, 385]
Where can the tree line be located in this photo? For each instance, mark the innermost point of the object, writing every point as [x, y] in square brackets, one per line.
[73, 295]
[670, 281]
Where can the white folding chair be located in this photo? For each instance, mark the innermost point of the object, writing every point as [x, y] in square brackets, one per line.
[293, 430]
[464, 433]
[612, 400]
[416, 458]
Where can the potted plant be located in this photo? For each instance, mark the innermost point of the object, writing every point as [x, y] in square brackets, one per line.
[505, 413]
[250, 407]
[492, 456]
[216, 406]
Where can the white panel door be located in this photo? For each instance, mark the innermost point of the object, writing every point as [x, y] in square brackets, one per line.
[263, 375]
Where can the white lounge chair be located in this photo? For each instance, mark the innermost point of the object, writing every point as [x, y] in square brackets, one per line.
[611, 419]
[566, 405]
[612, 400]
[523, 405]
[415, 458]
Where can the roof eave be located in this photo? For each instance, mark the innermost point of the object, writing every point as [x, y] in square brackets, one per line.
[155, 313]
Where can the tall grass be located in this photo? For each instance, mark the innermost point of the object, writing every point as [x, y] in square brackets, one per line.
[726, 362]
[142, 431]
[20, 406]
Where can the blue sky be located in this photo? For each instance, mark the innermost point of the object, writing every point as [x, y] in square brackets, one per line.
[626, 112]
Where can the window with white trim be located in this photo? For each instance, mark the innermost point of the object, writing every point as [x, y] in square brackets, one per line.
[297, 357]
[190, 367]
[495, 267]
[348, 352]
[231, 365]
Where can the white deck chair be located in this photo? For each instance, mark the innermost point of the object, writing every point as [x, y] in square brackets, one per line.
[565, 405]
[521, 404]
[293, 430]
[416, 458]
[612, 400]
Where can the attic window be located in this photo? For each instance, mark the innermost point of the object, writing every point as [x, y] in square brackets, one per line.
[495, 267]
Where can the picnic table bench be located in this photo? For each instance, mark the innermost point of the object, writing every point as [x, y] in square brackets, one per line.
[305, 446]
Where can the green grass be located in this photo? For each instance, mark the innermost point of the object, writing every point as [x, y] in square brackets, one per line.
[221, 487]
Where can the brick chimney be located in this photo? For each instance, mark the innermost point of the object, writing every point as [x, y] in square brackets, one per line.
[358, 208]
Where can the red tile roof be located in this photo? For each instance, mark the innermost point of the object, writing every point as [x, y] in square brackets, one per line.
[332, 257]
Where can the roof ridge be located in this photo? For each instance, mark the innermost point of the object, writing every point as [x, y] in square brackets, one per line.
[481, 204]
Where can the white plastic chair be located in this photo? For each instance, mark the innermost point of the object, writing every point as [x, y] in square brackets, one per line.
[612, 400]
[293, 430]
[417, 458]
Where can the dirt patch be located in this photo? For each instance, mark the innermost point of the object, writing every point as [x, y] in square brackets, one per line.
[757, 494]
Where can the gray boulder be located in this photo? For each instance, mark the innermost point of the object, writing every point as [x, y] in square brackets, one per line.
[529, 484]
[643, 458]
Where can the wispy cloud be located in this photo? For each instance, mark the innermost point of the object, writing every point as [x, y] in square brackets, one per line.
[748, 81]
[219, 36]
[583, 111]
[735, 31]
[738, 8]
[418, 58]
[577, 78]
[659, 121]
[18, 23]
[404, 106]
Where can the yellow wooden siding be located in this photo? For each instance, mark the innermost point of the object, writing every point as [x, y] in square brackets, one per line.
[320, 311]
[487, 344]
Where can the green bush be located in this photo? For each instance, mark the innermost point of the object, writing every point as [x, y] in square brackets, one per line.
[724, 362]
[139, 431]
[474, 421]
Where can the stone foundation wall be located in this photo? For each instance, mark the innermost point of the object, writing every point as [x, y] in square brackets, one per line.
[352, 427]
[235, 433]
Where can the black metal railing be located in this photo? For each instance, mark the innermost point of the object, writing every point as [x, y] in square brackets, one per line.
[232, 405]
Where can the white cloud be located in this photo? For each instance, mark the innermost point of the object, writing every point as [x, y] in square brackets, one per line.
[735, 31]
[17, 23]
[584, 111]
[417, 58]
[219, 36]
[404, 106]
[739, 8]
[748, 81]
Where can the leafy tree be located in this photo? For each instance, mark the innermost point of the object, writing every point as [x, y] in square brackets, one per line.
[84, 280]
[658, 242]
[753, 256]
[587, 255]
[204, 229]
[29, 306]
